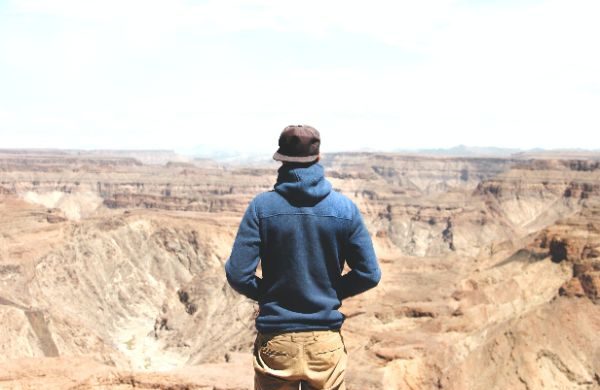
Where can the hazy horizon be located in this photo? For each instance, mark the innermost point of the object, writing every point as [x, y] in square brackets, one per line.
[236, 154]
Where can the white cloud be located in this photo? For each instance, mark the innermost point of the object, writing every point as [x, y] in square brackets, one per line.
[523, 74]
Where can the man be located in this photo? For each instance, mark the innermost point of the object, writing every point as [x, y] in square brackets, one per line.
[303, 232]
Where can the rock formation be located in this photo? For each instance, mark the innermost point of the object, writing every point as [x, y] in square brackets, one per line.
[111, 271]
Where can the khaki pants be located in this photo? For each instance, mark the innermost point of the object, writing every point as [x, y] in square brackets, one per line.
[307, 360]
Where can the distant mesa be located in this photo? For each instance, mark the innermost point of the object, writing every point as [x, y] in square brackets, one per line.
[111, 268]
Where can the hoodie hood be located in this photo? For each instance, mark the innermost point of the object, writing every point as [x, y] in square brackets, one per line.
[302, 185]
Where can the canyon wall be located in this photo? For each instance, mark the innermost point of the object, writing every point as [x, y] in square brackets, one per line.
[115, 266]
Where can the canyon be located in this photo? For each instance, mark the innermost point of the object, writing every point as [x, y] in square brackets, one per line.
[111, 271]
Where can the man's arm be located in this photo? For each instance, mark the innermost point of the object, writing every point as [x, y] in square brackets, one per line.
[241, 266]
[361, 258]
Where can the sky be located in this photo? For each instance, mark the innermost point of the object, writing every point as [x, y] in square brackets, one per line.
[231, 74]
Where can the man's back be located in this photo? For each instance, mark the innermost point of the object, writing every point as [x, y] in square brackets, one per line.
[303, 232]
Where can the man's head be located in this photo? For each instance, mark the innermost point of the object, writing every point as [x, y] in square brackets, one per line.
[298, 144]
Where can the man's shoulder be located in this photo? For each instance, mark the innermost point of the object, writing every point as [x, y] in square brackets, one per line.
[342, 203]
[337, 196]
[335, 203]
[265, 197]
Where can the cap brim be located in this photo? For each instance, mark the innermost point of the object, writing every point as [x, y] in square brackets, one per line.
[282, 157]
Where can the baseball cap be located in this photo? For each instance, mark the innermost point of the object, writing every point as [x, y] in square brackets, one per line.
[298, 143]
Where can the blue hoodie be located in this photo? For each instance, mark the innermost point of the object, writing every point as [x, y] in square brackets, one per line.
[303, 232]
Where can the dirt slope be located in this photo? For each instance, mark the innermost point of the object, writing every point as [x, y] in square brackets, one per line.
[111, 272]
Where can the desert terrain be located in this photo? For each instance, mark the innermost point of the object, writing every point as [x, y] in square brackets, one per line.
[111, 271]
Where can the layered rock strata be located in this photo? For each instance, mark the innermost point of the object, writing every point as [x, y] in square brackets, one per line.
[490, 271]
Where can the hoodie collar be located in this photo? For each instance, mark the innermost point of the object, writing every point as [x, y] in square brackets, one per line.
[302, 185]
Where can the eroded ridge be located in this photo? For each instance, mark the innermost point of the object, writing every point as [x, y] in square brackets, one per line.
[111, 270]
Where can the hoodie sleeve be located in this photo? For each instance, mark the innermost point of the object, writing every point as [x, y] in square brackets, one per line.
[360, 256]
[241, 266]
